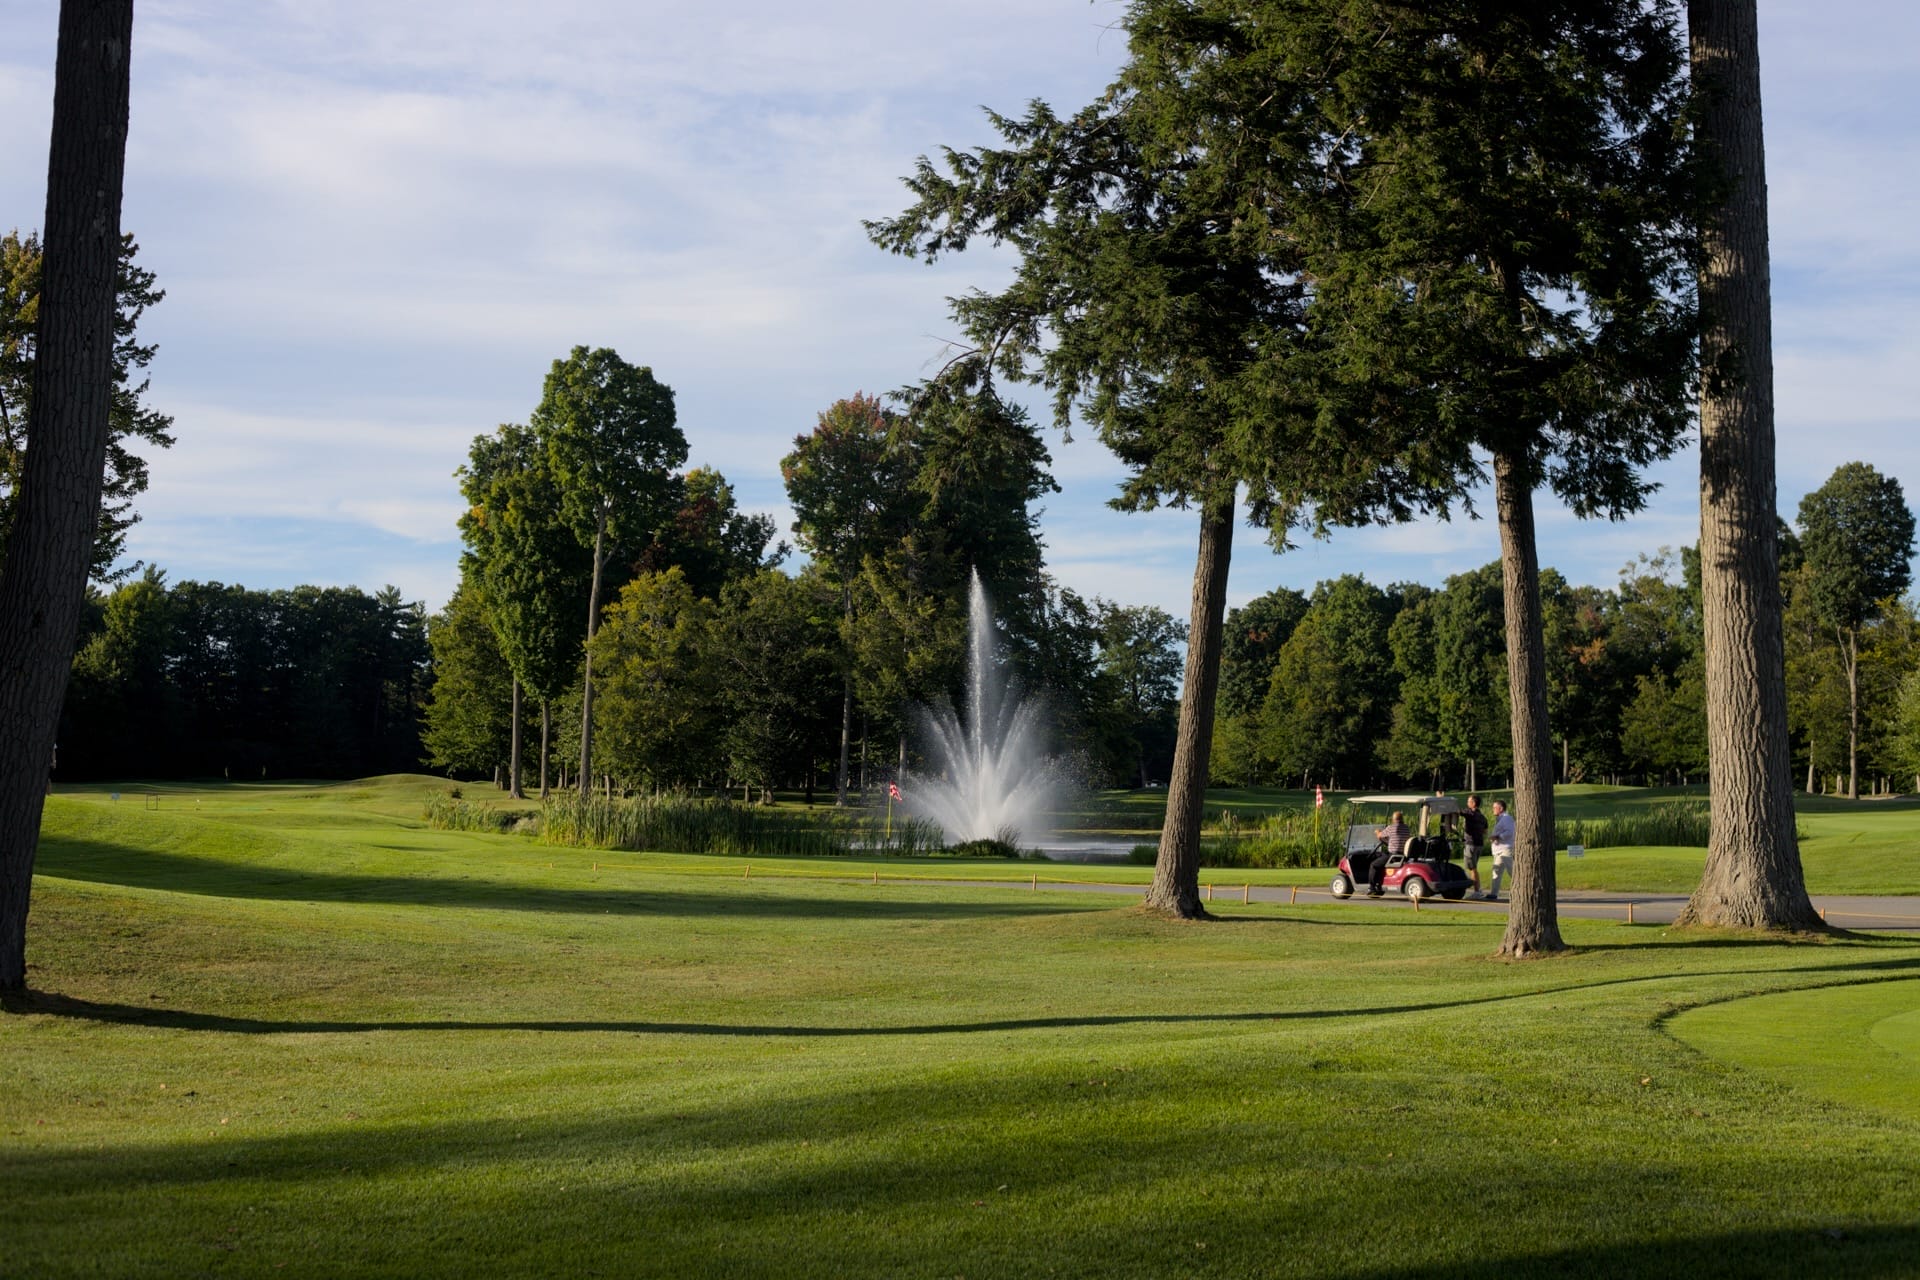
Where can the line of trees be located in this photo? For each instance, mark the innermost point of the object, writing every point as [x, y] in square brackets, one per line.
[1356, 684]
[722, 670]
[201, 679]
[712, 667]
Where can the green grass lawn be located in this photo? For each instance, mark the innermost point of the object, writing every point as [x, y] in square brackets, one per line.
[289, 1030]
[1868, 1036]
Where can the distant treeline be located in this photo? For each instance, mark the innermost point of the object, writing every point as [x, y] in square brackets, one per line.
[200, 679]
[1350, 685]
[1355, 685]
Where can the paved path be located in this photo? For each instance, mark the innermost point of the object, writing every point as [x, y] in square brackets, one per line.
[1845, 912]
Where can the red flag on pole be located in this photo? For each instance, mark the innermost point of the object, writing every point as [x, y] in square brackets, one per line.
[893, 790]
[1319, 797]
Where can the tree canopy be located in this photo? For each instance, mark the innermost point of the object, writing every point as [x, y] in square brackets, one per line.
[130, 419]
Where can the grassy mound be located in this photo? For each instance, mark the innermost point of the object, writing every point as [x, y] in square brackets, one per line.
[1857, 1045]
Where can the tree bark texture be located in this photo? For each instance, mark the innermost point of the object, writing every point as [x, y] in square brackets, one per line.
[50, 547]
[1533, 919]
[515, 788]
[1176, 871]
[586, 680]
[1752, 876]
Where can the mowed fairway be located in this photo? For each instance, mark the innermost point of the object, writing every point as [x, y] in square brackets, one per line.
[291, 1031]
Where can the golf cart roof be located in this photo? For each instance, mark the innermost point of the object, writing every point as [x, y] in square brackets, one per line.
[1433, 804]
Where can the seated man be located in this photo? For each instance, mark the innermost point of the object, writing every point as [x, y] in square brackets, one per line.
[1395, 835]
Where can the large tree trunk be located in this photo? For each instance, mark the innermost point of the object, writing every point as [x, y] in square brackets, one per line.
[57, 505]
[1176, 871]
[515, 788]
[586, 686]
[1533, 921]
[1752, 876]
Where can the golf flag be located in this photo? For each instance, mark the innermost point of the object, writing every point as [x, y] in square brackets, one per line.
[893, 791]
[1319, 797]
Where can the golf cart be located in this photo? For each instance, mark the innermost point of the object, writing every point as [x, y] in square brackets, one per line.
[1423, 869]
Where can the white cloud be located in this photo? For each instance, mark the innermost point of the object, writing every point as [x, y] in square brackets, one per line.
[378, 223]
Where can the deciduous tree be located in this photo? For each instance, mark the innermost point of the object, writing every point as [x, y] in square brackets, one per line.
[711, 540]
[611, 440]
[1140, 657]
[467, 716]
[661, 681]
[529, 569]
[1856, 535]
[851, 484]
[772, 648]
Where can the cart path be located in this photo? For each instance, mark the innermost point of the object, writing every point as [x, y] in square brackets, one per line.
[1900, 914]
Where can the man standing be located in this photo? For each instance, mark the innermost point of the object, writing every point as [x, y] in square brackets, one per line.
[1502, 847]
[1395, 835]
[1473, 840]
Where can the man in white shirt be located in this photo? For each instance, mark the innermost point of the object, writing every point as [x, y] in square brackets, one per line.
[1502, 845]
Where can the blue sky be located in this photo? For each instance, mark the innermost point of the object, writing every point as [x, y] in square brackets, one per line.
[379, 223]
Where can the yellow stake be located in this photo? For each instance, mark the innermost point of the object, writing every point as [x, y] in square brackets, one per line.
[1629, 913]
[1246, 894]
[1293, 894]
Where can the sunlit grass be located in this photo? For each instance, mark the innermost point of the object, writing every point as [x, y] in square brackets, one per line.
[293, 1031]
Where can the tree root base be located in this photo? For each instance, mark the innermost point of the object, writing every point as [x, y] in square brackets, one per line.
[1178, 915]
[1532, 948]
[1816, 931]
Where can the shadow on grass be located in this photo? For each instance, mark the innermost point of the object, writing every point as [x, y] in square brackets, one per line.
[1868, 1252]
[55, 1005]
[101, 862]
[1691, 939]
[976, 1181]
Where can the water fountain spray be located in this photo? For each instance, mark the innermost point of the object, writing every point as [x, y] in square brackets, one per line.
[989, 777]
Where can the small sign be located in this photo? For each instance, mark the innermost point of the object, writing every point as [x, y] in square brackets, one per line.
[1576, 851]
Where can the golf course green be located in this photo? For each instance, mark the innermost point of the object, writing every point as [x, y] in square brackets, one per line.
[291, 1030]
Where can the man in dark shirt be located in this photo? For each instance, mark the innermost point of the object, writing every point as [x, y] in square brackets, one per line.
[1473, 841]
[1395, 835]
